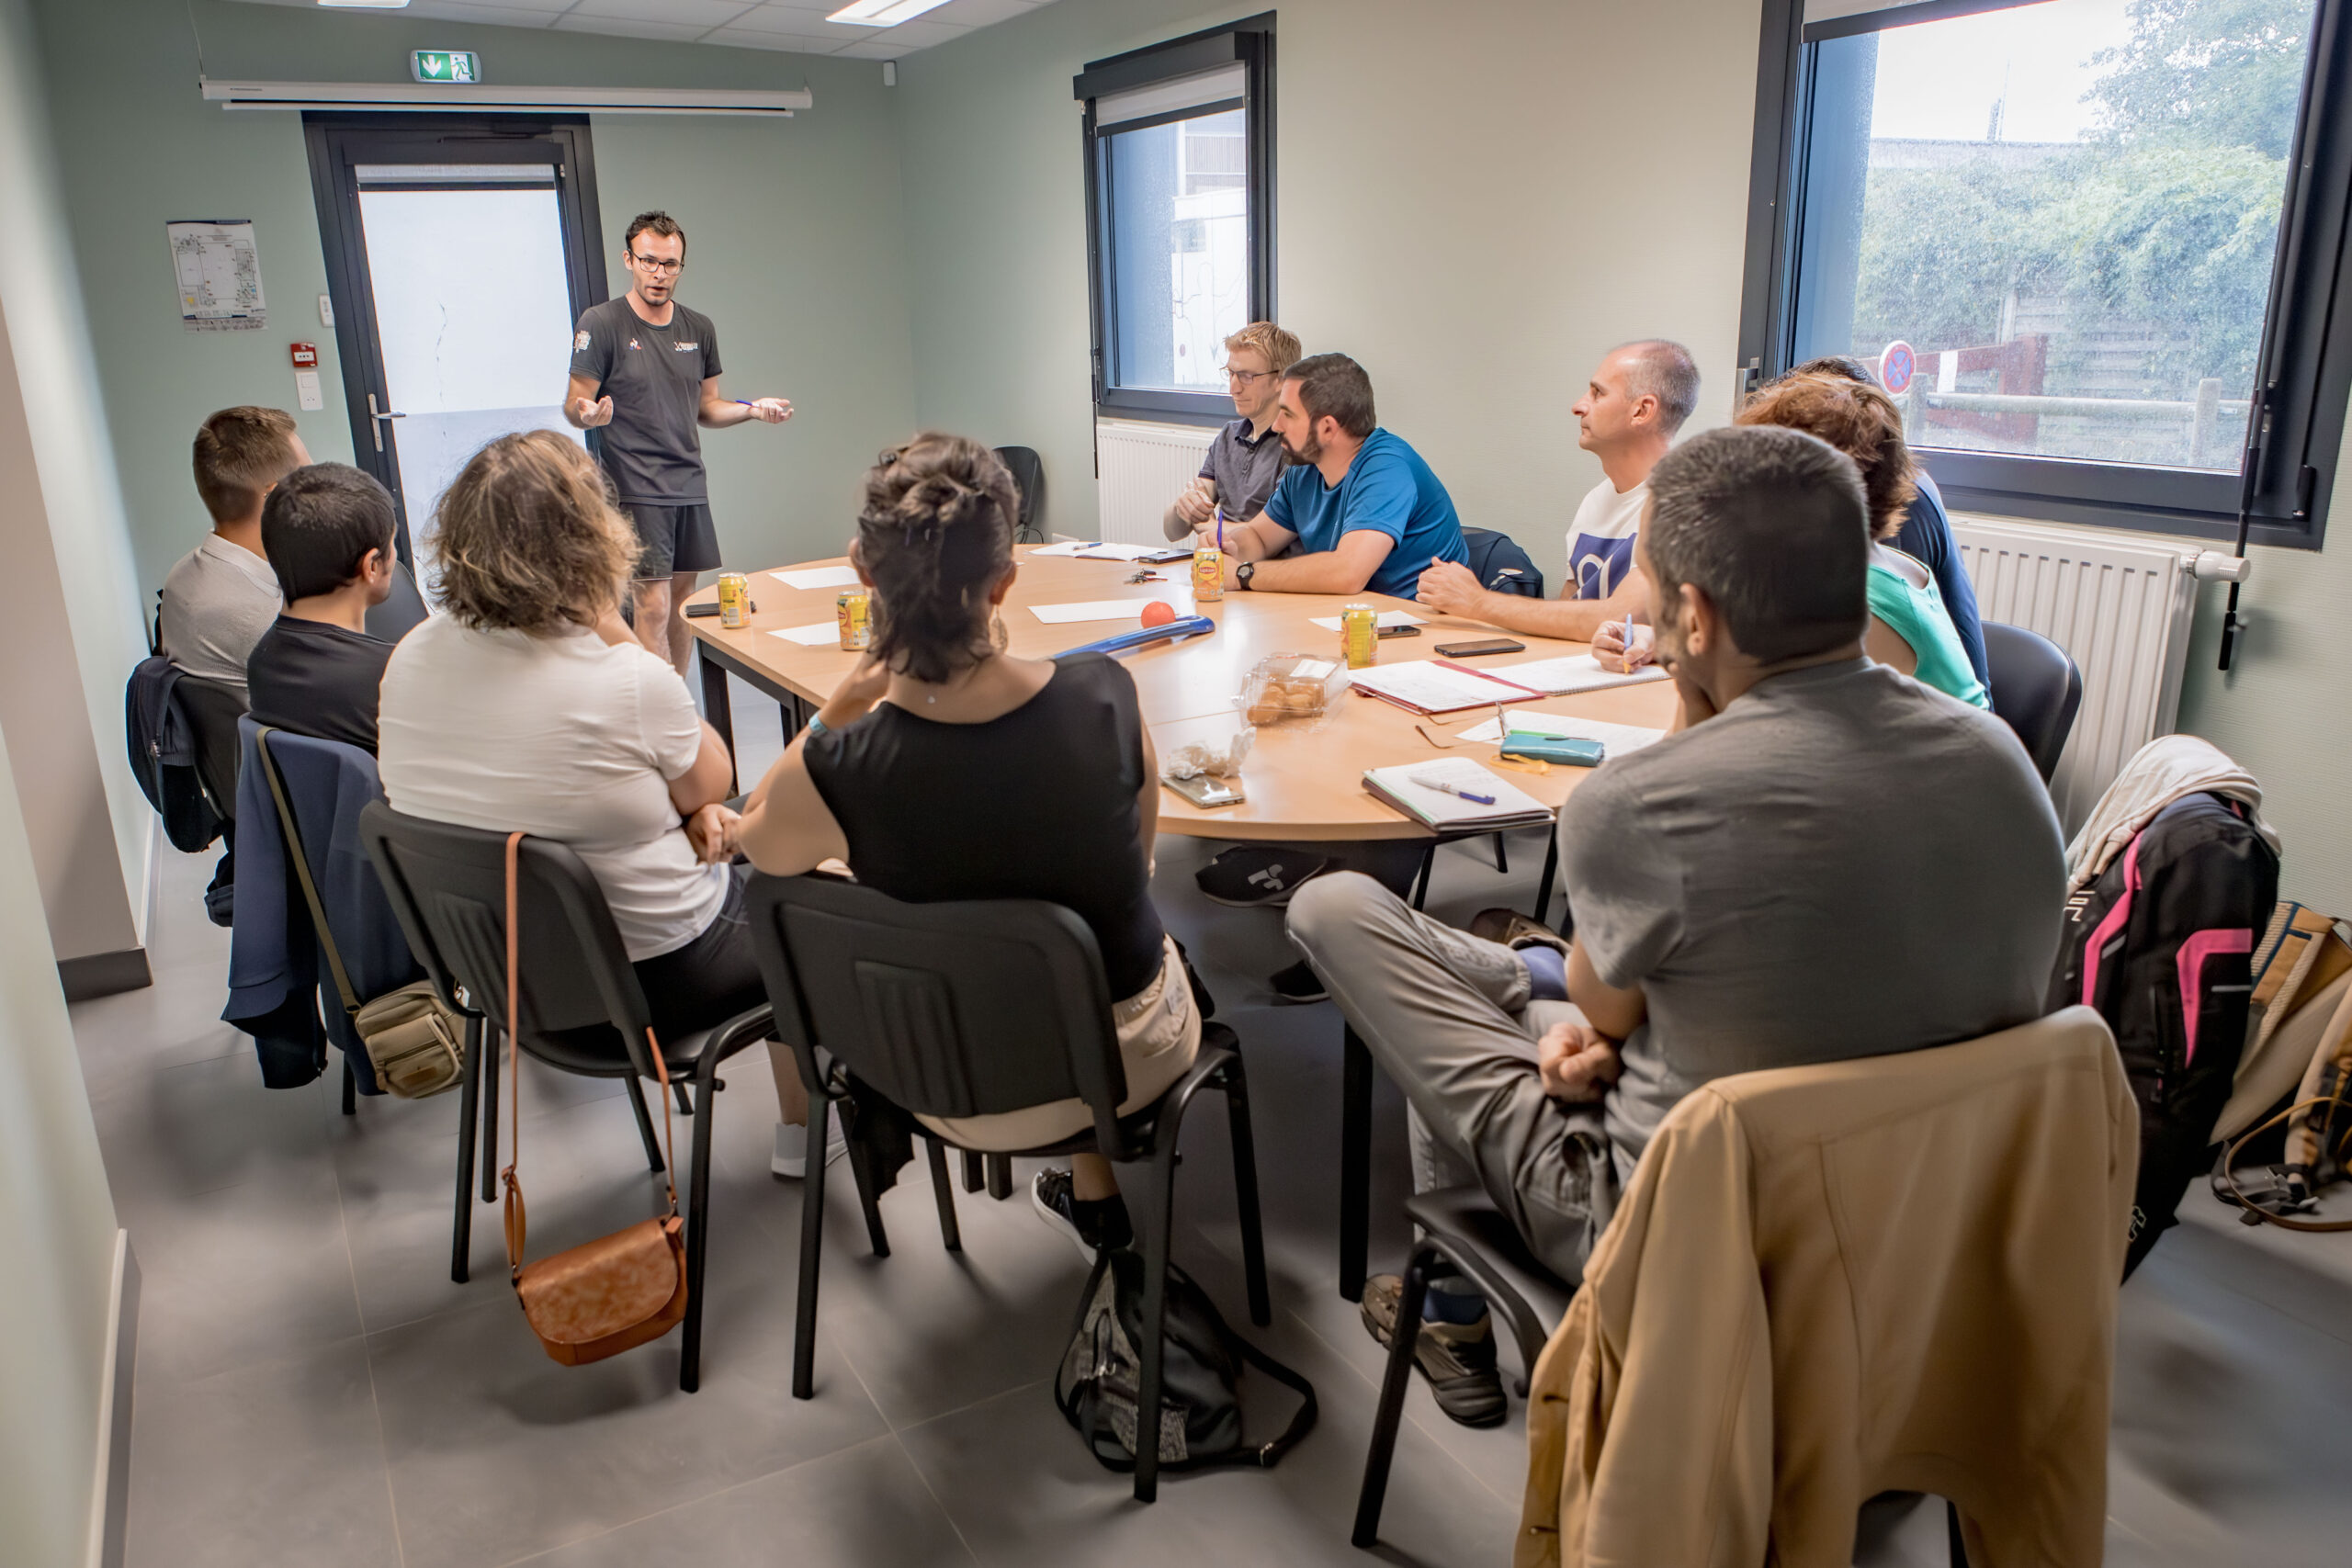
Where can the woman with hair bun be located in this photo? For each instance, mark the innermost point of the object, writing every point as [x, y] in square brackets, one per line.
[898, 776]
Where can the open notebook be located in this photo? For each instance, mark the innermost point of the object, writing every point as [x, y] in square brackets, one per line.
[1404, 788]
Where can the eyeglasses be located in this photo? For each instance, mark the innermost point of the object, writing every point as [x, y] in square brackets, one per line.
[652, 265]
[1246, 376]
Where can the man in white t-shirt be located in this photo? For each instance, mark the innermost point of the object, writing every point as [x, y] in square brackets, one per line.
[1627, 418]
[222, 595]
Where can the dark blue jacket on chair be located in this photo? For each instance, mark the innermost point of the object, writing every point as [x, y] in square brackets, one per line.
[276, 972]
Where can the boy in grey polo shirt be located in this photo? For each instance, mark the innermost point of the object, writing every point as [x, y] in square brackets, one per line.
[1246, 458]
[1826, 860]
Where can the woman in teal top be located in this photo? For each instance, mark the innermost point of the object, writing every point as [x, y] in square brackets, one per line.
[1910, 629]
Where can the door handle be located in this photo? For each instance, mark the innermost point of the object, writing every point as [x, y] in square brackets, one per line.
[377, 428]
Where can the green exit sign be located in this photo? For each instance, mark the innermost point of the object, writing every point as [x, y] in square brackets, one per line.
[445, 65]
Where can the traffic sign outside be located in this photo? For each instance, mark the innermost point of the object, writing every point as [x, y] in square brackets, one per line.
[1896, 367]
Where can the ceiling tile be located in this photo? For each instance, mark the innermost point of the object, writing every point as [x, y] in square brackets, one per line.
[968, 14]
[491, 16]
[623, 26]
[800, 21]
[911, 36]
[742, 37]
[702, 14]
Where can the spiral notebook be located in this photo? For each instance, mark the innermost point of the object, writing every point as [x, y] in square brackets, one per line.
[1404, 789]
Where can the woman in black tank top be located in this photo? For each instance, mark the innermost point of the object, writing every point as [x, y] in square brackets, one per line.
[902, 775]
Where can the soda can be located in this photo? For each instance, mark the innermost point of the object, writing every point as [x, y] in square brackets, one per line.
[854, 613]
[734, 601]
[1208, 573]
[1360, 636]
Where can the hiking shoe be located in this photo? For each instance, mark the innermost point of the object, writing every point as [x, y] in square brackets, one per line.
[1512, 929]
[1250, 879]
[1299, 983]
[1458, 1359]
[1090, 1227]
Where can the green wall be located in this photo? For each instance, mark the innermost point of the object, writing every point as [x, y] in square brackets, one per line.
[795, 226]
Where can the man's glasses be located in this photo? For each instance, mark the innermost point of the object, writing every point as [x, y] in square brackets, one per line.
[1247, 377]
[651, 265]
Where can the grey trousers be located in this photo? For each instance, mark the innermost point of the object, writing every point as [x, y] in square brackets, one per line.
[1448, 1017]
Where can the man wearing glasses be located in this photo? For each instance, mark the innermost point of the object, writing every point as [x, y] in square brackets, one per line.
[1246, 459]
[645, 371]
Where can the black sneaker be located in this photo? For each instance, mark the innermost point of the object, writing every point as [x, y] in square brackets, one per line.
[1457, 1358]
[1299, 983]
[1090, 1227]
[1251, 878]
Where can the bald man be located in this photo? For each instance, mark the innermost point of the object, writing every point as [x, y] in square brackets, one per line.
[1632, 408]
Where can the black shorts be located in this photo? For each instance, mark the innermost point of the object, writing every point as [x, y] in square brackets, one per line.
[675, 539]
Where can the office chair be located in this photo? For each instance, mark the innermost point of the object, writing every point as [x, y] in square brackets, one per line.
[1499, 563]
[1029, 478]
[972, 1008]
[2036, 688]
[582, 1010]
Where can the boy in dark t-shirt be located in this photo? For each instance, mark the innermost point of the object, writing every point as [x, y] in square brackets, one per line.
[328, 529]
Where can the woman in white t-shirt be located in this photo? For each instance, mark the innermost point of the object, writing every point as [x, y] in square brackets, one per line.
[529, 705]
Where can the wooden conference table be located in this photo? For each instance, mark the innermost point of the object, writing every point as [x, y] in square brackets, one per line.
[1303, 778]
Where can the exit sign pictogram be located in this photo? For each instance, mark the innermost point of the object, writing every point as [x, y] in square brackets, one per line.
[445, 65]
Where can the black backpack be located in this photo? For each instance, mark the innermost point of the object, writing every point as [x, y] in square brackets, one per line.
[1200, 1362]
[2161, 944]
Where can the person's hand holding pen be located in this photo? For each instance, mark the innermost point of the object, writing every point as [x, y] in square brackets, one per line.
[1196, 500]
[768, 410]
[1624, 646]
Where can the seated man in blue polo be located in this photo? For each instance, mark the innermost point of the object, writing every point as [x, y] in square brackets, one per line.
[1366, 511]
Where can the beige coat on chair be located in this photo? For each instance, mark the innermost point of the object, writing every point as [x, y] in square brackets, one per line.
[1826, 1282]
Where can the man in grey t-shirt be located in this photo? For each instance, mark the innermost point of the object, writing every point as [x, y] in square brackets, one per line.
[645, 372]
[1826, 860]
[1238, 471]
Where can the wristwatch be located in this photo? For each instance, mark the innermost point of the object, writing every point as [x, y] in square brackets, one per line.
[1243, 573]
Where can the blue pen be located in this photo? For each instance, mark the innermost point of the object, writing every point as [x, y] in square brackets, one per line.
[1442, 787]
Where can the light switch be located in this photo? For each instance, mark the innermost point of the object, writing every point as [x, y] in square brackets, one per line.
[306, 388]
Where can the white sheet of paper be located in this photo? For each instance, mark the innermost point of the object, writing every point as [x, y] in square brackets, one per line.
[1387, 618]
[816, 636]
[1111, 550]
[1619, 738]
[819, 576]
[1433, 687]
[1091, 610]
[1576, 672]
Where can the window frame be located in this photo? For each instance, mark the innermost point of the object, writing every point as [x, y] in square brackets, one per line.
[1249, 44]
[2304, 366]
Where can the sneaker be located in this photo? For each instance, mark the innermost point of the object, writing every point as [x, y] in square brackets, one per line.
[1090, 1227]
[1458, 1359]
[1249, 878]
[791, 1157]
[1512, 929]
[1298, 984]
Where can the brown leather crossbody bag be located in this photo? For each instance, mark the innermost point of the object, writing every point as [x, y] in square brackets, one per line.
[616, 1292]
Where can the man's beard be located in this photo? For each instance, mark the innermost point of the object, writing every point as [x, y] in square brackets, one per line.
[1312, 452]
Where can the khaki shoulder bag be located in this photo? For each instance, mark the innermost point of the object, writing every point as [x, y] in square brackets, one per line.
[415, 1043]
[616, 1292]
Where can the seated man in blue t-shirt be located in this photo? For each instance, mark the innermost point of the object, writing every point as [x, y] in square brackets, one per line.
[1365, 511]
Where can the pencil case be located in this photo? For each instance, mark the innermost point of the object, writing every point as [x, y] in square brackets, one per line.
[1563, 749]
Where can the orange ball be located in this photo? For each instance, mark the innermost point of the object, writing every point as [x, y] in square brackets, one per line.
[1159, 613]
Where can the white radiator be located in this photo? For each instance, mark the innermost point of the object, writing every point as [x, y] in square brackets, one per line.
[2120, 605]
[1139, 469]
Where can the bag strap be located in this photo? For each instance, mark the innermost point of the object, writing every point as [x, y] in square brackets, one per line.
[295, 853]
[2333, 1042]
[517, 1226]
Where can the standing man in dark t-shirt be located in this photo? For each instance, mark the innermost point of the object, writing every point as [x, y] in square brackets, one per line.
[645, 371]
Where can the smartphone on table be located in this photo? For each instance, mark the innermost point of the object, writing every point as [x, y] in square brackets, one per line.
[1476, 650]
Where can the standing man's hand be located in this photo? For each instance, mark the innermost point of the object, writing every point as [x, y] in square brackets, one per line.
[771, 411]
[588, 415]
[1450, 589]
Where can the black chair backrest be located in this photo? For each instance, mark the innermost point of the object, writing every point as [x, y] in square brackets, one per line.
[950, 1009]
[1029, 478]
[581, 1007]
[1498, 562]
[212, 710]
[2036, 687]
[402, 610]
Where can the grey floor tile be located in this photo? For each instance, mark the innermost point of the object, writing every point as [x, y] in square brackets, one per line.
[497, 1451]
[280, 1462]
[866, 1506]
[242, 1274]
[187, 1130]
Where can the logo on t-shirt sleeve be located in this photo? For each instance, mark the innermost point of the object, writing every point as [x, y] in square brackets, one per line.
[580, 342]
